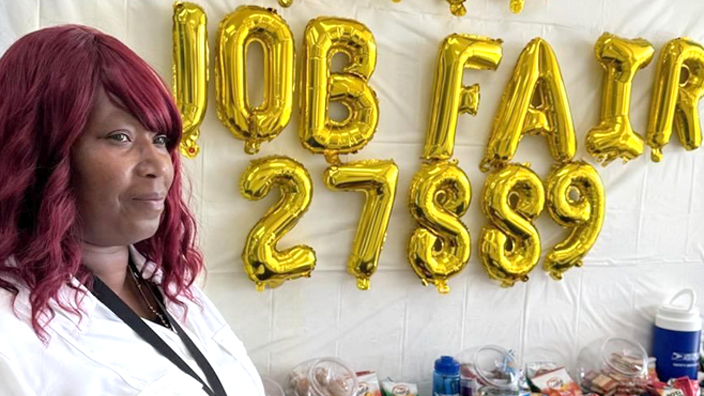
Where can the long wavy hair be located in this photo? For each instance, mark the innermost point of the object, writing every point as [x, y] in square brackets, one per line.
[48, 81]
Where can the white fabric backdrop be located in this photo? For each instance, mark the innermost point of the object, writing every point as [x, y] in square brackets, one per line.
[652, 243]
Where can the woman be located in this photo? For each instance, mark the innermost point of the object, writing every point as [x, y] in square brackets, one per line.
[98, 251]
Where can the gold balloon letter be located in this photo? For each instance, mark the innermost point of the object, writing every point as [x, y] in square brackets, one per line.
[614, 137]
[534, 102]
[457, 7]
[237, 31]
[440, 247]
[450, 97]
[576, 200]
[516, 6]
[190, 71]
[377, 180]
[265, 265]
[513, 197]
[324, 37]
[679, 84]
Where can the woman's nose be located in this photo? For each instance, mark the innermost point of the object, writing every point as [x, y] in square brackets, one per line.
[154, 160]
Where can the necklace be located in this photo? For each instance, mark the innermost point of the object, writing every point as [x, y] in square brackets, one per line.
[156, 312]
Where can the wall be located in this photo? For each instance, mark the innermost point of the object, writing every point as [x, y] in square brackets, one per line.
[652, 243]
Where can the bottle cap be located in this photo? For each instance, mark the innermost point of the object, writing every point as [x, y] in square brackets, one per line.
[447, 365]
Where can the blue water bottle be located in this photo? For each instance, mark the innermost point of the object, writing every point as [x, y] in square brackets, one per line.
[446, 377]
[676, 338]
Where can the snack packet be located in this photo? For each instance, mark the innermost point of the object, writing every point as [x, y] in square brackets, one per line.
[392, 388]
[556, 382]
[368, 384]
[688, 386]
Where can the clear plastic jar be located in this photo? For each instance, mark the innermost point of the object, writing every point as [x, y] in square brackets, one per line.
[489, 370]
[613, 365]
[322, 377]
[271, 387]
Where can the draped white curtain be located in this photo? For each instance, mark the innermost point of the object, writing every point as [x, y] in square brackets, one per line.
[652, 243]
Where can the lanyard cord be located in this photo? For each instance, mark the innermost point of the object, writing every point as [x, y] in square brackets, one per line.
[124, 312]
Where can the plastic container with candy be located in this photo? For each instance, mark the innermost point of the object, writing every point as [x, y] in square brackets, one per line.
[322, 377]
[489, 370]
[613, 367]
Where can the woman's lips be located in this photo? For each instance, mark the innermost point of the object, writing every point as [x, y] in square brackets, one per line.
[155, 204]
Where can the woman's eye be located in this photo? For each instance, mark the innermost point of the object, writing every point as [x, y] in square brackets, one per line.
[162, 140]
[120, 137]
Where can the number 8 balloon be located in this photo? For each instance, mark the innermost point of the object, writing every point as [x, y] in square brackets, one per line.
[513, 197]
[440, 247]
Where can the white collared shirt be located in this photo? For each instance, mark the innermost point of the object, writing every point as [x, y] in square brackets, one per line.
[101, 355]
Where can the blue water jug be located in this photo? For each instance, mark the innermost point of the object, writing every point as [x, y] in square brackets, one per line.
[676, 338]
[446, 377]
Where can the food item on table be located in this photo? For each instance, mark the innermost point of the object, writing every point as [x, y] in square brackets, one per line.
[554, 382]
[390, 387]
[367, 384]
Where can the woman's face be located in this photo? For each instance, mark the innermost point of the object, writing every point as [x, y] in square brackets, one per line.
[122, 173]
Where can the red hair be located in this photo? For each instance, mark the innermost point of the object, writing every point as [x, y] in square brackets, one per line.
[48, 81]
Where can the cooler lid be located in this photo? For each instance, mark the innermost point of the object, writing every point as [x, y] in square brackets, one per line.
[680, 313]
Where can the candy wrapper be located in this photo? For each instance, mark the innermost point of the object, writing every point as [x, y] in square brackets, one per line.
[368, 384]
[534, 369]
[652, 372]
[688, 386]
[683, 386]
[390, 387]
[551, 379]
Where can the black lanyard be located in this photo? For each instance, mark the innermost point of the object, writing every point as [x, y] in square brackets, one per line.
[117, 306]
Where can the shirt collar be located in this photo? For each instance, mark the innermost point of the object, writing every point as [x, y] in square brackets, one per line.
[88, 301]
[147, 268]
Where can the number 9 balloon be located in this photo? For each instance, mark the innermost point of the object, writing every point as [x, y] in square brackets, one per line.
[576, 200]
